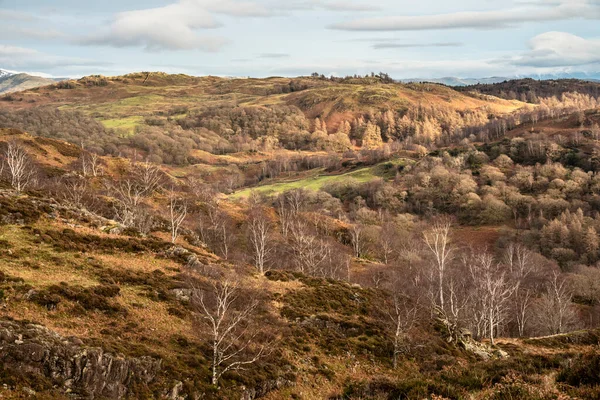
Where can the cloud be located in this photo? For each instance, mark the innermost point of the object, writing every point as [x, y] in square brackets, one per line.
[273, 55]
[559, 49]
[238, 8]
[342, 6]
[553, 11]
[392, 45]
[348, 6]
[18, 32]
[19, 58]
[172, 27]
[12, 15]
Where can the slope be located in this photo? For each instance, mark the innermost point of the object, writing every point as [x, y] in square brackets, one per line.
[131, 98]
[20, 82]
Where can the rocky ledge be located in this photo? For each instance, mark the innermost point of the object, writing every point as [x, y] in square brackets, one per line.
[86, 372]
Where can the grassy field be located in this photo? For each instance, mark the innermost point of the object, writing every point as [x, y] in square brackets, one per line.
[127, 124]
[318, 180]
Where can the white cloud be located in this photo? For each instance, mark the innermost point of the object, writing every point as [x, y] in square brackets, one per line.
[19, 58]
[273, 55]
[238, 8]
[559, 49]
[330, 5]
[175, 26]
[12, 15]
[20, 32]
[395, 45]
[172, 27]
[552, 11]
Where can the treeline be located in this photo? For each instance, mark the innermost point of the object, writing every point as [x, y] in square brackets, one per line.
[356, 79]
[532, 91]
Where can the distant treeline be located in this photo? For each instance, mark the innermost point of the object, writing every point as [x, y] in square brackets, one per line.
[531, 90]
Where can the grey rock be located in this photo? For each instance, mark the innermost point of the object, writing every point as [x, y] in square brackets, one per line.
[89, 372]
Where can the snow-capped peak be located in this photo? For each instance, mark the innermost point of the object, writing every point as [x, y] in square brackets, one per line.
[5, 73]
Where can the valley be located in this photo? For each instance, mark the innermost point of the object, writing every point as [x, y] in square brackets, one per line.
[178, 237]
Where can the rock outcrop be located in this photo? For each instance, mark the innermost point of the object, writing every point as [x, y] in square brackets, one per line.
[87, 372]
[464, 339]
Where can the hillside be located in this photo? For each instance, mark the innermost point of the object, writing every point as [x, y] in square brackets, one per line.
[176, 237]
[222, 116]
[92, 309]
[10, 83]
[129, 99]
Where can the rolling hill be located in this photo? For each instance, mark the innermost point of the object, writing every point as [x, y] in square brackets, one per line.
[126, 101]
[10, 83]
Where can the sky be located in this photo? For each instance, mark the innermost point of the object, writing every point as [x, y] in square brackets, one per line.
[259, 38]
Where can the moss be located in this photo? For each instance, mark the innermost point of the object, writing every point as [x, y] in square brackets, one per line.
[15, 210]
[583, 371]
[156, 284]
[85, 299]
[587, 337]
[65, 149]
[69, 240]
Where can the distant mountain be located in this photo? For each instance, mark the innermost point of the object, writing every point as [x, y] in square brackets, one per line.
[454, 81]
[10, 82]
[4, 73]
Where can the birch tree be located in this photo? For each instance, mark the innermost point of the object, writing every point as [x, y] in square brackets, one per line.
[19, 166]
[403, 316]
[259, 228]
[311, 253]
[438, 242]
[555, 311]
[493, 289]
[228, 321]
[177, 213]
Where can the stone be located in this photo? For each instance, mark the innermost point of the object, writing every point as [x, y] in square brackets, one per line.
[87, 371]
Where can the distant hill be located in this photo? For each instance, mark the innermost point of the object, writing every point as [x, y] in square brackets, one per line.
[530, 89]
[10, 83]
[4, 73]
[454, 81]
[135, 97]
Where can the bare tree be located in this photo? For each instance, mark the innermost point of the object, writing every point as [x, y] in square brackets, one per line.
[259, 228]
[555, 312]
[136, 185]
[403, 316]
[74, 191]
[295, 199]
[358, 240]
[438, 241]
[177, 213]
[311, 253]
[149, 176]
[228, 321]
[521, 264]
[493, 290]
[19, 166]
[285, 215]
[90, 164]
[215, 228]
[387, 241]
[523, 300]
